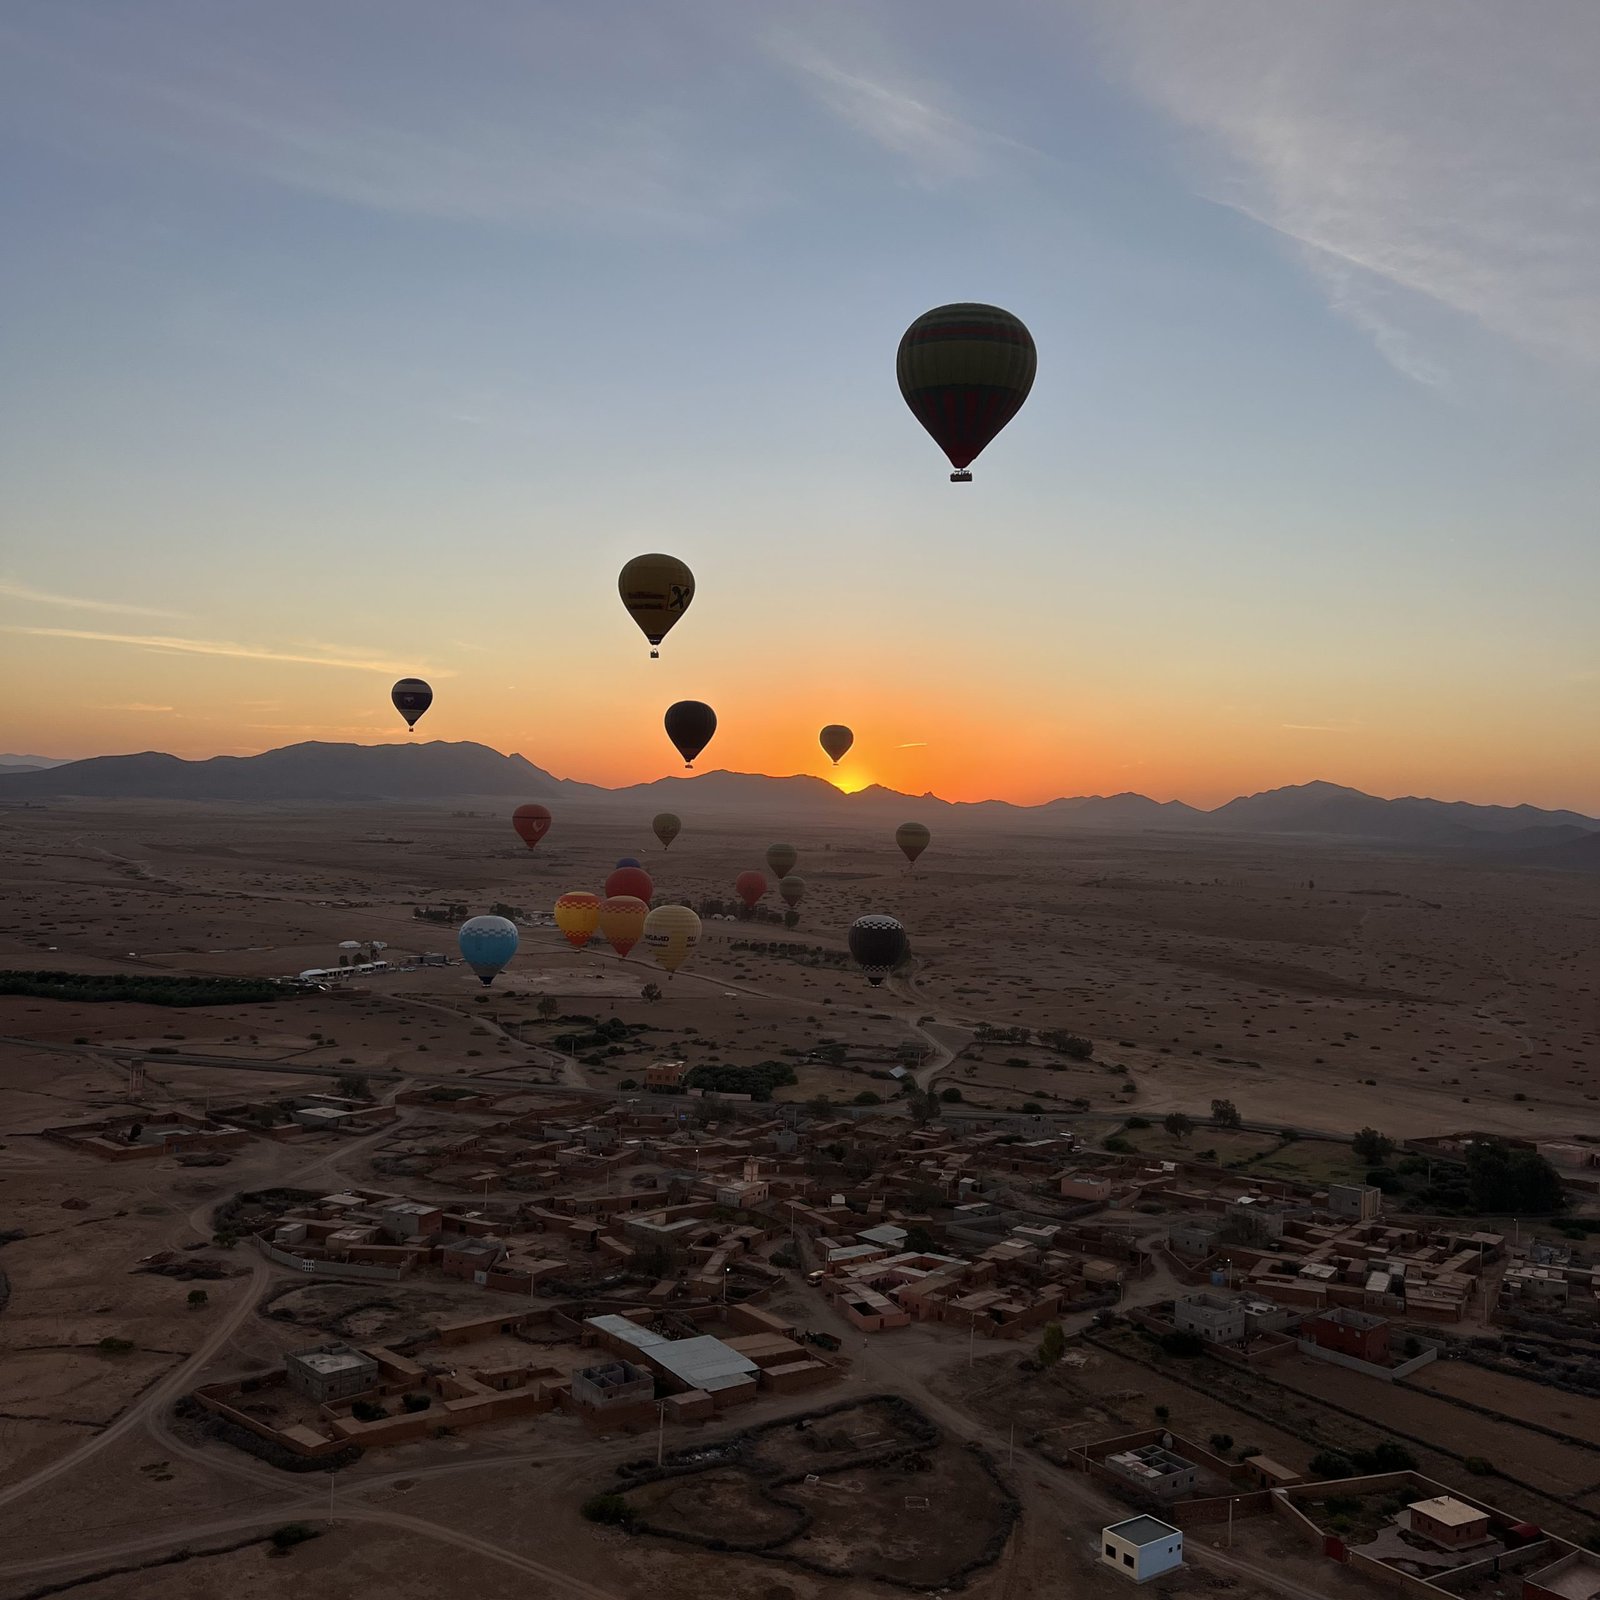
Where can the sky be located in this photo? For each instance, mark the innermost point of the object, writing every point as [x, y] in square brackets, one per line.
[358, 341]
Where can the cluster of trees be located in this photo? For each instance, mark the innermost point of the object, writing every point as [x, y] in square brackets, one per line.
[809, 954]
[1062, 1040]
[758, 1081]
[446, 913]
[142, 988]
[597, 1036]
[1494, 1177]
[711, 906]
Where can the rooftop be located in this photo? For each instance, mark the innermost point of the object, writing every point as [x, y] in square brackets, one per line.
[1446, 1509]
[1143, 1530]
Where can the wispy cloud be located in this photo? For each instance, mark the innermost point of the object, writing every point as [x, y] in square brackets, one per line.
[168, 644]
[903, 117]
[1439, 154]
[137, 705]
[74, 602]
[1321, 727]
[916, 744]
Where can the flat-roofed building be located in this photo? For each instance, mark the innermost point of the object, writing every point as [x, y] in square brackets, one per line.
[1155, 1470]
[1141, 1548]
[330, 1372]
[1357, 1202]
[1216, 1318]
[1351, 1333]
[1448, 1521]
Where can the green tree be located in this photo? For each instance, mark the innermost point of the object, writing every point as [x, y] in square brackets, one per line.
[950, 1096]
[197, 1298]
[1178, 1125]
[1225, 1114]
[547, 1009]
[354, 1086]
[1053, 1345]
[651, 992]
[1372, 1147]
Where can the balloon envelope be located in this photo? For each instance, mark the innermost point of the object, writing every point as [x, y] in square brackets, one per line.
[411, 697]
[670, 935]
[631, 880]
[667, 826]
[793, 890]
[690, 725]
[879, 945]
[836, 739]
[965, 370]
[487, 944]
[577, 916]
[532, 823]
[781, 858]
[657, 590]
[629, 861]
[913, 839]
[750, 886]
[622, 919]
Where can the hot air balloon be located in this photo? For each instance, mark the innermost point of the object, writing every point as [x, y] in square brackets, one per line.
[670, 935]
[656, 590]
[532, 823]
[631, 880]
[793, 890]
[913, 839]
[781, 858]
[629, 861]
[690, 725]
[879, 945]
[487, 944]
[965, 370]
[750, 886]
[836, 739]
[577, 916]
[667, 827]
[411, 698]
[622, 919]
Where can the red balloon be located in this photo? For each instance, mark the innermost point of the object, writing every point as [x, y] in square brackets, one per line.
[631, 880]
[750, 886]
[532, 823]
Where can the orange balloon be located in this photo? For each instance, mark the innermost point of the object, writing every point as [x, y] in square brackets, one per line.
[622, 921]
[577, 916]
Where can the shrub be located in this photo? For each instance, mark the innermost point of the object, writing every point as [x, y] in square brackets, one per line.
[291, 1534]
[610, 1509]
[950, 1096]
[417, 1402]
[1329, 1464]
[1162, 1413]
[868, 1098]
[1479, 1466]
[197, 1298]
[1136, 1123]
[1222, 1443]
[110, 1346]
[367, 1411]
[1117, 1145]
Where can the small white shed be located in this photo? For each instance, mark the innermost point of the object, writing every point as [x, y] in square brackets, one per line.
[1141, 1547]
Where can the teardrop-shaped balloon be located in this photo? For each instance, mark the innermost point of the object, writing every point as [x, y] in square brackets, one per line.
[622, 918]
[750, 886]
[577, 916]
[781, 858]
[411, 697]
[793, 890]
[836, 739]
[631, 880]
[690, 725]
[487, 944]
[879, 945]
[666, 827]
[965, 370]
[657, 590]
[670, 935]
[913, 839]
[532, 823]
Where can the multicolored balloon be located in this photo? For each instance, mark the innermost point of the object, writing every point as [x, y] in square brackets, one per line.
[666, 827]
[622, 919]
[487, 944]
[632, 880]
[657, 590]
[913, 839]
[965, 370]
[793, 890]
[879, 944]
[836, 740]
[750, 886]
[690, 725]
[411, 697]
[532, 823]
[670, 935]
[781, 859]
[577, 916]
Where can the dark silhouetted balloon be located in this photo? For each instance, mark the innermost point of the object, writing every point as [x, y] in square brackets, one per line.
[793, 890]
[631, 880]
[879, 945]
[836, 739]
[690, 725]
[964, 371]
[487, 944]
[750, 886]
[657, 590]
[411, 698]
[781, 858]
[667, 827]
[532, 823]
[913, 839]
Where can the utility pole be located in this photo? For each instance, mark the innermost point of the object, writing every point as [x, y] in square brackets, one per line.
[972, 1339]
[661, 1428]
[1230, 1522]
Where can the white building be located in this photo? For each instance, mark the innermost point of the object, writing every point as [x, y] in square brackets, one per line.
[1141, 1548]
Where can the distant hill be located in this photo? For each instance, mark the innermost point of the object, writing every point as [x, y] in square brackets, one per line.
[1580, 854]
[11, 763]
[440, 771]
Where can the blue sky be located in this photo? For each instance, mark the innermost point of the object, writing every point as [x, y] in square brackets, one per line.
[376, 335]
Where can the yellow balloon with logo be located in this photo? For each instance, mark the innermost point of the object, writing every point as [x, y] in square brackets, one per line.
[657, 590]
[670, 935]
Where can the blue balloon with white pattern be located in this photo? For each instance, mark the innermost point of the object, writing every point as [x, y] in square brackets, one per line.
[487, 944]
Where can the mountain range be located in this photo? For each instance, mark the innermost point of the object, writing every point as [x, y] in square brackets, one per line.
[438, 772]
